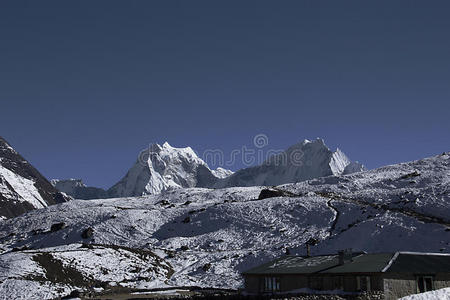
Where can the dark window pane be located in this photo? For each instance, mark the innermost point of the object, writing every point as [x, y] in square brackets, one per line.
[420, 284]
[363, 283]
[271, 284]
[428, 284]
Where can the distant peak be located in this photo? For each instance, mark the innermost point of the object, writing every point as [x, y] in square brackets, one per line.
[166, 145]
[71, 181]
[221, 172]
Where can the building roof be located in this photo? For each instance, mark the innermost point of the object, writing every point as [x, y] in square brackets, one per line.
[399, 262]
[415, 262]
[364, 263]
[298, 265]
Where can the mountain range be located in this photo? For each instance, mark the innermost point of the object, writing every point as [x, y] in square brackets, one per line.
[163, 167]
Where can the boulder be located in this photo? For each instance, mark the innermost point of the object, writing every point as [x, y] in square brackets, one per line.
[87, 233]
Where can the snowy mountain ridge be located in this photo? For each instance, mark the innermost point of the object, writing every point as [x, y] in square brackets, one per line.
[69, 185]
[78, 190]
[222, 173]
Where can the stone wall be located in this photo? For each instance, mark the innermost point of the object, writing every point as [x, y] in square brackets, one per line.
[441, 281]
[394, 285]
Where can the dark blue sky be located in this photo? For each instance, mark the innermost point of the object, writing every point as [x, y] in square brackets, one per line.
[84, 85]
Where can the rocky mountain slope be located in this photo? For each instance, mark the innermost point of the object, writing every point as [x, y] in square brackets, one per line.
[206, 237]
[300, 162]
[22, 187]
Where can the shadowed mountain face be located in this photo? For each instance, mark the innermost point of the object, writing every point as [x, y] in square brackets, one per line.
[22, 187]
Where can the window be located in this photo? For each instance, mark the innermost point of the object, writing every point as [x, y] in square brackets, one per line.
[271, 284]
[363, 283]
[424, 284]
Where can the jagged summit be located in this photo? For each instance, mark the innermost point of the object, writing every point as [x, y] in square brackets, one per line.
[22, 187]
[161, 168]
[167, 150]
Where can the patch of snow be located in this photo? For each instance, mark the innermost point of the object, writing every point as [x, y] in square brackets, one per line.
[24, 187]
[442, 294]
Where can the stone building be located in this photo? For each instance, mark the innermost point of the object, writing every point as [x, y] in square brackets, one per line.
[394, 274]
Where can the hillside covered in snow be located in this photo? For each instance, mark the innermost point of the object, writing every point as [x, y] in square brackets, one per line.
[206, 237]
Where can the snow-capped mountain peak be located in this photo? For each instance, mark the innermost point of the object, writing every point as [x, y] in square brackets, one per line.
[166, 150]
[161, 168]
[305, 160]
